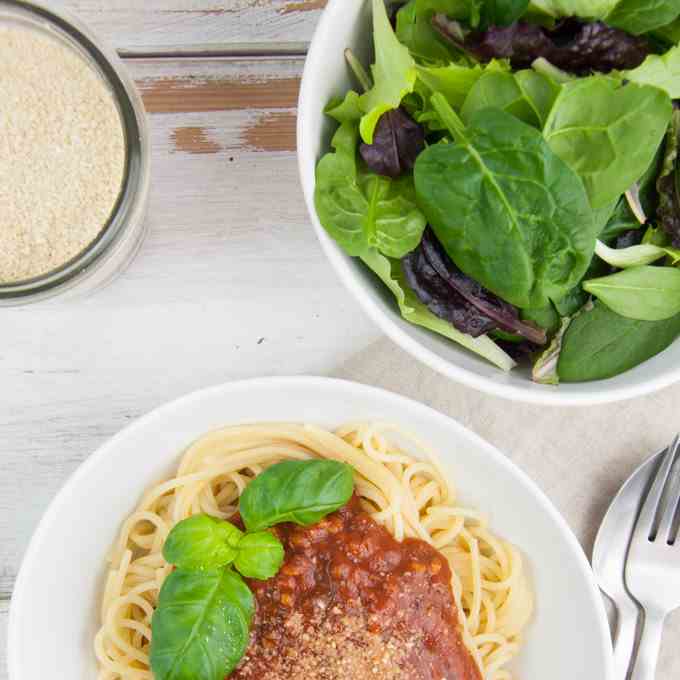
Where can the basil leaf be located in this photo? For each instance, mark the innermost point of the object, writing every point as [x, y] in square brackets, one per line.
[600, 344]
[303, 492]
[641, 16]
[201, 542]
[415, 312]
[394, 73]
[360, 209]
[611, 141]
[260, 555]
[508, 211]
[660, 70]
[200, 628]
[643, 293]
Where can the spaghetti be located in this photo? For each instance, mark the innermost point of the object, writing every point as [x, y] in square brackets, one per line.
[406, 493]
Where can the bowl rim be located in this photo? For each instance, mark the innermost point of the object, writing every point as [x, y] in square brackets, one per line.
[598, 392]
[282, 384]
[128, 212]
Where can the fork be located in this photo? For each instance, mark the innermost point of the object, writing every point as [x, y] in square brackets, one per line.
[653, 566]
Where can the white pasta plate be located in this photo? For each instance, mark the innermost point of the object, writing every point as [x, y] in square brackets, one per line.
[55, 611]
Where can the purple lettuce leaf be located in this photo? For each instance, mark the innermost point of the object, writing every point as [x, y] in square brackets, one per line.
[452, 295]
[573, 45]
[397, 141]
[667, 184]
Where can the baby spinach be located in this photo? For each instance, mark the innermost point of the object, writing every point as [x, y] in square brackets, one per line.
[302, 492]
[601, 344]
[642, 16]
[200, 629]
[502, 12]
[660, 70]
[414, 29]
[643, 293]
[611, 141]
[260, 555]
[202, 542]
[634, 256]
[394, 73]
[508, 211]
[391, 274]
[360, 209]
[527, 95]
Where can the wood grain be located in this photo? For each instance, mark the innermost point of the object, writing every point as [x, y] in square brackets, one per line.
[199, 26]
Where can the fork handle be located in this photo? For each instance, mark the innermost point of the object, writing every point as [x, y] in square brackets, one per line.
[624, 638]
[649, 647]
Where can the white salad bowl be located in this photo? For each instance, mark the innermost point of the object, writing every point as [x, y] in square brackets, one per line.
[56, 602]
[348, 23]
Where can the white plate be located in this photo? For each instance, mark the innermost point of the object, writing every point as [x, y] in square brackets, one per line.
[348, 23]
[54, 612]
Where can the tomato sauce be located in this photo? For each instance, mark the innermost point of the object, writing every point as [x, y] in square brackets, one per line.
[349, 601]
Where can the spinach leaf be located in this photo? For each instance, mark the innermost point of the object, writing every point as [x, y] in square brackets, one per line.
[668, 183]
[396, 144]
[600, 344]
[545, 317]
[260, 555]
[669, 34]
[544, 371]
[502, 12]
[527, 95]
[455, 81]
[201, 542]
[394, 73]
[201, 625]
[642, 16]
[660, 70]
[643, 293]
[611, 141]
[303, 492]
[360, 209]
[508, 211]
[415, 312]
[586, 9]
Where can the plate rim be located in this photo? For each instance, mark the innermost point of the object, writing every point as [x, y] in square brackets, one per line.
[160, 412]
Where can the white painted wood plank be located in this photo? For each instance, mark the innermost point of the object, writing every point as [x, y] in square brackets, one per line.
[230, 283]
[198, 25]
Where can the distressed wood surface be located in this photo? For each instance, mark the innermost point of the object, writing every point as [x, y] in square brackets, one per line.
[230, 26]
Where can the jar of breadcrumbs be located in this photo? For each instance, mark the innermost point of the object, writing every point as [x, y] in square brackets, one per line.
[74, 157]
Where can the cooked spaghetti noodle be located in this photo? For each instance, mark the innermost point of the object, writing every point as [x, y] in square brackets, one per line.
[405, 492]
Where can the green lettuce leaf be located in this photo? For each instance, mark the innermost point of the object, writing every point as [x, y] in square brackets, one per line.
[394, 73]
[662, 71]
[586, 9]
[641, 16]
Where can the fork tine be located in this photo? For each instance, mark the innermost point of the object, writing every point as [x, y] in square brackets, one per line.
[645, 521]
[672, 496]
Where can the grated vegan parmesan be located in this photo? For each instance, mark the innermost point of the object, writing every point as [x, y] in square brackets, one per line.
[62, 153]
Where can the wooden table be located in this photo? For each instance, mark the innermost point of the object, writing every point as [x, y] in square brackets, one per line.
[231, 283]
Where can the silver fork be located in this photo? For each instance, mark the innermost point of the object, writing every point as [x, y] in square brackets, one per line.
[653, 566]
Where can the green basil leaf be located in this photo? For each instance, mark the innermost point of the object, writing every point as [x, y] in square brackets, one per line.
[394, 73]
[601, 344]
[260, 555]
[201, 542]
[641, 16]
[660, 70]
[611, 141]
[303, 492]
[360, 209]
[509, 212]
[201, 626]
[415, 312]
[641, 293]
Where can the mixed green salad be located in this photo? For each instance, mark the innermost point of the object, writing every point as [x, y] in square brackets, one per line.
[509, 170]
